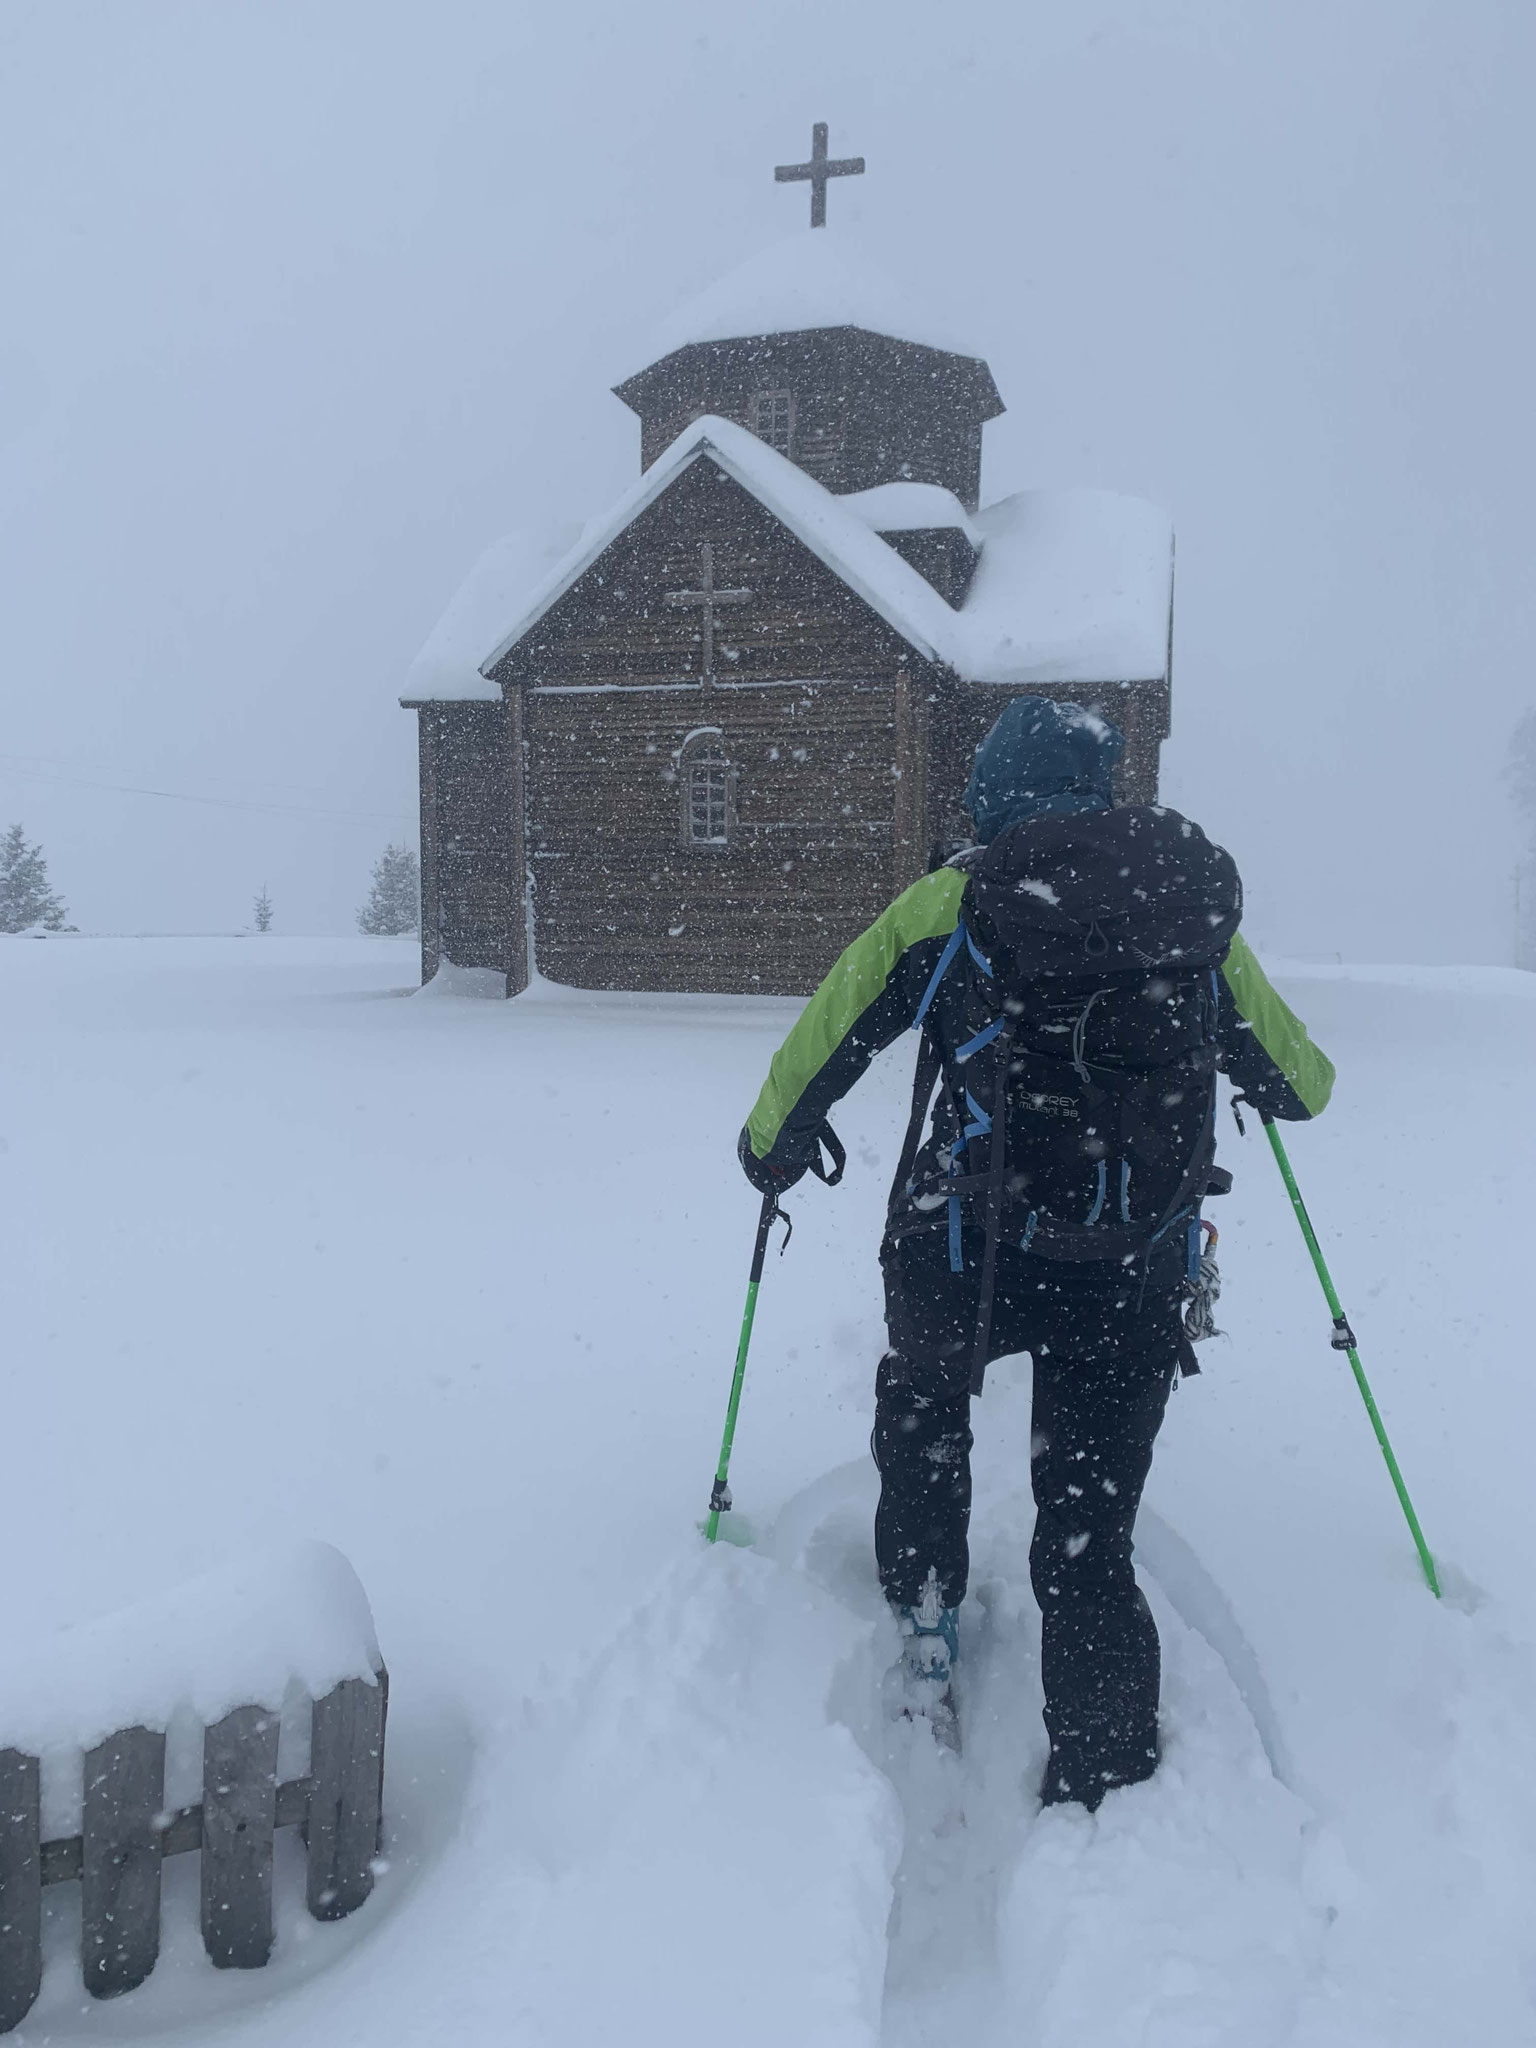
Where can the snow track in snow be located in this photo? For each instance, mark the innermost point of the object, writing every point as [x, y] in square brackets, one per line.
[963, 1817]
[1180, 1914]
[690, 1798]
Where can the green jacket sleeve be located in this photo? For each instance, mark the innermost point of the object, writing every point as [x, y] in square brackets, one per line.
[870, 997]
[1264, 1047]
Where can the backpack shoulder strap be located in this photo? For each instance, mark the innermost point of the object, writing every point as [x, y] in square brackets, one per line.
[925, 1075]
[930, 1060]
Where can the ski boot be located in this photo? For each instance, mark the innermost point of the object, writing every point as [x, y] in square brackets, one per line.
[920, 1685]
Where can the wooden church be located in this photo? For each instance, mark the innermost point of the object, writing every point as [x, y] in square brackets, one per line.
[711, 742]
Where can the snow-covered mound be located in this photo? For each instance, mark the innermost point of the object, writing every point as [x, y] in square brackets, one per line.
[237, 1637]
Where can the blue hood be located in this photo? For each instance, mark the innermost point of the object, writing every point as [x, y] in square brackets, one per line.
[1042, 756]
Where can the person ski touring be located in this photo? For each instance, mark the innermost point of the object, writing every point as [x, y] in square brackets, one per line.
[1077, 978]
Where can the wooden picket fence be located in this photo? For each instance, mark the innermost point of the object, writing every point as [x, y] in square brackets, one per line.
[126, 1833]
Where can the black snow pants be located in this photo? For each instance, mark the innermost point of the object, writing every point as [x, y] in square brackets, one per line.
[1105, 1346]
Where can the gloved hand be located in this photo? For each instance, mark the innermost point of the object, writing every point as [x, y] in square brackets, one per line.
[798, 1155]
[768, 1179]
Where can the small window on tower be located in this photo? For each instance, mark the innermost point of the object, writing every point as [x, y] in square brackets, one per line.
[708, 791]
[773, 419]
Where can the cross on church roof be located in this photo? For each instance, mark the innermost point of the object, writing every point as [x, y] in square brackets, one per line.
[818, 170]
[706, 597]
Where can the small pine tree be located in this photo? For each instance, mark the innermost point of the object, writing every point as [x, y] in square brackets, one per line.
[394, 902]
[263, 910]
[25, 897]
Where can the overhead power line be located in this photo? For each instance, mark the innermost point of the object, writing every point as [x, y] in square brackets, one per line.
[182, 796]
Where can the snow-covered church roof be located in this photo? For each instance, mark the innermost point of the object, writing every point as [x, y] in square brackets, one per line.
[447, 669]
[1073, 587]
[803, 282]
[910, 508]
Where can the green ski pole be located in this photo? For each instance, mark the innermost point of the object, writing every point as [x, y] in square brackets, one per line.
[720, 1497]
[1344, 1340]
[829, 1176]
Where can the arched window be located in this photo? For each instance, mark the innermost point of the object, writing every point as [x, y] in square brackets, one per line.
[707, 783]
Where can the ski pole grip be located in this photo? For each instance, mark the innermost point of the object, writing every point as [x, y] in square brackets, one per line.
[827, 1137]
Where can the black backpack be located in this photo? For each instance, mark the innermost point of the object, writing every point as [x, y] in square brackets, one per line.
[1074, 1016]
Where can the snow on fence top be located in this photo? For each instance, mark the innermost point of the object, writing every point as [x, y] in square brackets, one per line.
[805, 281]
[1073, 587]
[233, 1638]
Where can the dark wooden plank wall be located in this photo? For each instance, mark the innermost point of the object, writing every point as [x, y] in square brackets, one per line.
[806, 706]
[471, 838]
[622, 903]
[1143, 713]
[916, 416]
[428, 721]
[724, 377]
[941, 555]
[868, 409]
[912, 823]
[616, 627]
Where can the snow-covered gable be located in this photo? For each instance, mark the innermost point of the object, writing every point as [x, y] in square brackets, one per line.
[803, 282]
[447, 669]
[1072, 587]
[846, 544]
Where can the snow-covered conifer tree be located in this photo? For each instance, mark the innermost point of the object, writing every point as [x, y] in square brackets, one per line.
[25, 897]
[263, 910]
[394, 900]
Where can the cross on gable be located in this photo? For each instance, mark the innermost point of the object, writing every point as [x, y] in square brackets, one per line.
[706, 597]
[818, 170]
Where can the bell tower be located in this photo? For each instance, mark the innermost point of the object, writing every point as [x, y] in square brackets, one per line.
[824, 360]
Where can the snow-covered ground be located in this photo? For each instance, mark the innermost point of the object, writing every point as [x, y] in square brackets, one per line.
[454, 1286]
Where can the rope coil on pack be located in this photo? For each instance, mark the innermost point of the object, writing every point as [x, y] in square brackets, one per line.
[1203, 1287]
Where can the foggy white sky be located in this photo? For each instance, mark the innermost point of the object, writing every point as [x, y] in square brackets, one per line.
[303, 304]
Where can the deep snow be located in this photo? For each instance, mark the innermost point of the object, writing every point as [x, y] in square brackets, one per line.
[454, 1286]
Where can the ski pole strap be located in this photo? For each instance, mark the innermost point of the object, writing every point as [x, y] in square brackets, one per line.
[1343, 1339]
[827, 1137]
